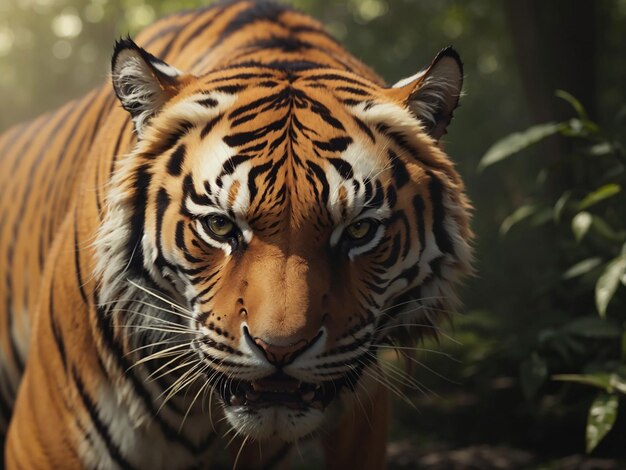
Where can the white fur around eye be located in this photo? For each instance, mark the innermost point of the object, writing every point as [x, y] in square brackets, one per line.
[242, 226]
[357, 250]
[339, 232]
[208, 239]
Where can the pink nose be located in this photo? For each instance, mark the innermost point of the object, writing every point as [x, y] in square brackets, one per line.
[281, 355]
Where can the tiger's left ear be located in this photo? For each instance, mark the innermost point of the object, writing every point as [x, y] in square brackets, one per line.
[142, 83]
[433, 94]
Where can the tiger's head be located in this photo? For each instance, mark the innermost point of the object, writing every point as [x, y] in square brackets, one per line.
[291, 219]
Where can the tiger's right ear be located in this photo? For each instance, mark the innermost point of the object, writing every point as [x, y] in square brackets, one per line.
[142, 83]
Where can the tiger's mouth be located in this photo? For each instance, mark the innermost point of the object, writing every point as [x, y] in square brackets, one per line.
[277, 390]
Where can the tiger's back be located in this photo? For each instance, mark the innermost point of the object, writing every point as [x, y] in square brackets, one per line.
[56, 189]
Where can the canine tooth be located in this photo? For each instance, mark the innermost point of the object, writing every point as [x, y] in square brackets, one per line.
[308, 396]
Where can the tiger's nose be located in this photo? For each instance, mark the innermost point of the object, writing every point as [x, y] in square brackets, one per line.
[280, 355]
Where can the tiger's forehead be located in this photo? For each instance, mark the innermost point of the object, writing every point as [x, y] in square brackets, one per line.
[288, 144]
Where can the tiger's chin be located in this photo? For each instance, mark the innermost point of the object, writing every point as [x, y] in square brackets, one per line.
[275, 422]
[277, 407]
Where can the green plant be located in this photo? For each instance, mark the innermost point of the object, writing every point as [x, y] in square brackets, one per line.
[580, 203]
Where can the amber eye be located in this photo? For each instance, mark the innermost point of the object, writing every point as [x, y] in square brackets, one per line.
[360, 229]
[220, 226]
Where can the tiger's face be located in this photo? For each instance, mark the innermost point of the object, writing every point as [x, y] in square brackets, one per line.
[294, 216]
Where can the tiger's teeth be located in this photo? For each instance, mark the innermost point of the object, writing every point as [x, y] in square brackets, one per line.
[308, 396]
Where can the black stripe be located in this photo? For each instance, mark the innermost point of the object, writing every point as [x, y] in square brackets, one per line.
[189, 190]
[399, 215]
[252, 174]
[336, 144]
[230, 89]
[134, 247]
[180, 235]
[208, 102]
[394, 254]
[79, 277]
[392, 196]
[259, 102]
[6, 408]
[378, 198]
[175, 163]
[342, 78]
[101, 427]
[231, 164]
[444, 242]
[398, 169]
[163, 202]
[284, 43]
[239, 76]
[179, 131]
[343, 167]
[242, 138]
[321, 176]
[56, 332]
[353, 90]
[262, 11]
[210, 125]
[418, 207]
[409, 274]
[323, 112]
[364, 127]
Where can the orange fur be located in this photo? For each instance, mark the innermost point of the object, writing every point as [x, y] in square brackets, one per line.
[64, 174]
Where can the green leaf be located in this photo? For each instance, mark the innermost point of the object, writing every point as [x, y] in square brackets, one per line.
[518, 141]
[517, 216]
[608, 282]
[601, 227]
[601, 418]
[579, 128]
[533, 373]
[560, 205]
[618, 383]
[604, 192]
[600, 149]
[594, 327]
[577, 105]
[541, 217]
[599, 379]
[580, 225]
[582, 267]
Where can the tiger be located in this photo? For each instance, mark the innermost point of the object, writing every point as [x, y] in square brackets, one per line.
[215, 245]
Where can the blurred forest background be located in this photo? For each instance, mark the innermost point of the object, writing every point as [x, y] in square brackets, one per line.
[530, 374]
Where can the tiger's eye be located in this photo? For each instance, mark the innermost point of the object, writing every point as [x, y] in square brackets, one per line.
[359, 229]
[220, 226]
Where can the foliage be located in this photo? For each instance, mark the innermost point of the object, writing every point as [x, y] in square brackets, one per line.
[580, 203]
